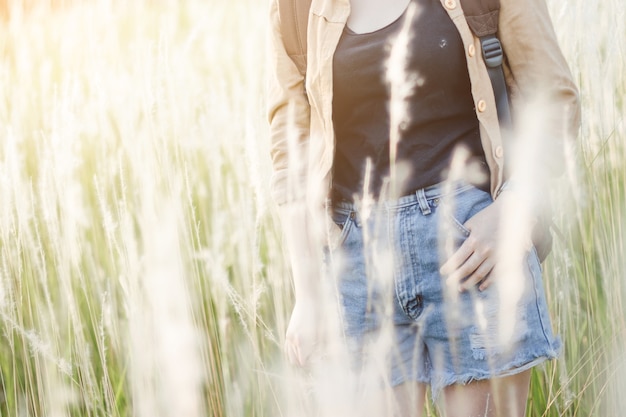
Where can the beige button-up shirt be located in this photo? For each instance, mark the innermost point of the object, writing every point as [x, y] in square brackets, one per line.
[300, 110]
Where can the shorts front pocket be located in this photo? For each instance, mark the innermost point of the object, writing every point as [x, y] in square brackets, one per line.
[344, 219]
[461, 207]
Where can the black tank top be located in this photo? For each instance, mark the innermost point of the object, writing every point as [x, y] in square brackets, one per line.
[440, 108]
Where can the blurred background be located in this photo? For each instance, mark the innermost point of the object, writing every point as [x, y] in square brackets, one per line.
[141, 266]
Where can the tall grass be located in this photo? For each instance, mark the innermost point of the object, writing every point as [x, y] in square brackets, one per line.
[142, 269]
[587, 271]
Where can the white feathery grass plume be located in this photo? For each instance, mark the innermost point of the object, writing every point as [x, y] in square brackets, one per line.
[166, 371]
[346, 392]
[526, 199]
[402, 84]
[38, 346]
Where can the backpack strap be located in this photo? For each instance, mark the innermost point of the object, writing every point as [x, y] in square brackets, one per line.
[294, 20]
[482, 18]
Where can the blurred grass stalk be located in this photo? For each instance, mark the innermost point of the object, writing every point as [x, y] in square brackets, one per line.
[142, 270]
[134, 224]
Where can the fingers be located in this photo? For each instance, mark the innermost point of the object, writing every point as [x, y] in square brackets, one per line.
[486, 283]
[469, 266]
[458, 258]
[482, 276]
[298, 351]
[292, 351]
[465, 270]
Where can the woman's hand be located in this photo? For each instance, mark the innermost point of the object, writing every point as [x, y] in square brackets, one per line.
[476, 258]
[303, 332]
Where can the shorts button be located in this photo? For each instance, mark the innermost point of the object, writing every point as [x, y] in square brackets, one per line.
[419, 300]
[414, 307]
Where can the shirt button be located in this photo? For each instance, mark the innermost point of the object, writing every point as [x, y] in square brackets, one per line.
[471, 51]
[499, 152]
[450, 4]
[482, 105]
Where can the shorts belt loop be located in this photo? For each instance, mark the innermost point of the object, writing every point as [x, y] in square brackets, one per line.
[421, 199]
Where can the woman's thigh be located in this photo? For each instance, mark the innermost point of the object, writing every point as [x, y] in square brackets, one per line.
[409, 399]
[496, 397]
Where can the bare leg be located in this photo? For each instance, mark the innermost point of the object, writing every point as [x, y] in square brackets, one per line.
[498, 397]
[406, 400]
[409, 399]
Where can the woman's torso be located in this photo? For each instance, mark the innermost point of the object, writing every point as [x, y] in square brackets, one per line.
[436, 114]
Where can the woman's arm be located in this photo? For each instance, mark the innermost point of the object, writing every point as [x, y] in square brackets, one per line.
[288, 114]
[289, 120]
[544, 96]
[547, 114]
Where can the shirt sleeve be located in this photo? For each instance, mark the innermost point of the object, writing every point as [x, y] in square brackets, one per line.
[544, 96]
[288, 113]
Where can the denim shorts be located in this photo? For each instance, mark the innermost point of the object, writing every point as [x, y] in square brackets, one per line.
[400, 321]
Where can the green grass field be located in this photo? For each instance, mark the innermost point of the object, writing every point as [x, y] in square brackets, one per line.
[141, 265]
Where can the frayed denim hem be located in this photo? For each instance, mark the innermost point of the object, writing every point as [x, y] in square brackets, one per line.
[438, 383]
[520, 364]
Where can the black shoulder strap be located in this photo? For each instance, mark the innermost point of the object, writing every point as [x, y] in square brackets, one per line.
[482, 18]
[294, 19]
